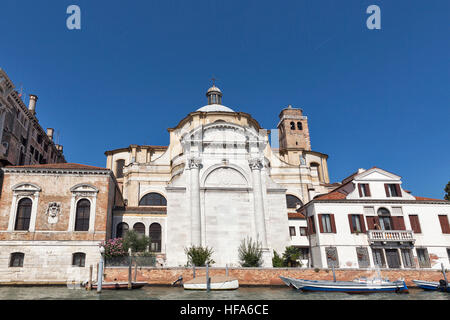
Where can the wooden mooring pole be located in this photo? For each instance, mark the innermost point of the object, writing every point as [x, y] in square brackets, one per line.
[208, 279]
[135, 270]
[89, 286]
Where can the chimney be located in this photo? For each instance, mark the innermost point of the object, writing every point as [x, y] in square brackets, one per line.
[59, 148]
[50, 133]
[32, 104]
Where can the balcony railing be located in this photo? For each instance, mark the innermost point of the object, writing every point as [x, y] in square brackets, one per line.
[390, 235]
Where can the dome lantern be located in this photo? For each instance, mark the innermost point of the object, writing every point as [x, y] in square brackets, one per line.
[214, 94]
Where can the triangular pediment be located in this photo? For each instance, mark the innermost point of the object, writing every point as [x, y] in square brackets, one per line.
[376, 174]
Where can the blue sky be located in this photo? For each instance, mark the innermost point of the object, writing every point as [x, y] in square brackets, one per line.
[373, 97]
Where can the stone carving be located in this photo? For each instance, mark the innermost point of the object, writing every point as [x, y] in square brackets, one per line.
[302, 160]
[53, 212]
[225, 177]
[255, 164]
[194, 163]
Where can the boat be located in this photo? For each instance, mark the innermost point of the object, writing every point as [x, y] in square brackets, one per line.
[432, 285]
[217, 283]
[119, 285]
[360, 285]
[287, 281]
[442, 285]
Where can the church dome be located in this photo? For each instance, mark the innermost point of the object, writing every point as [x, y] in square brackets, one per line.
[215, 107]
[214, 96]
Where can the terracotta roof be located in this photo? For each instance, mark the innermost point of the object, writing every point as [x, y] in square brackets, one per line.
[334, 195]
[428, 199]
[295, 215]
[59, 166]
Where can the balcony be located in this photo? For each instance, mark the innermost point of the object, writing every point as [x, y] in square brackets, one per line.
[390, 235]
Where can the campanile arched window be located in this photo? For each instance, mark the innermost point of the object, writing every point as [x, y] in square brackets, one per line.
[23, 215]
[82, 215]
[299, 126]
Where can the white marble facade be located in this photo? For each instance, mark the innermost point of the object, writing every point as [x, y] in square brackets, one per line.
[224, 195]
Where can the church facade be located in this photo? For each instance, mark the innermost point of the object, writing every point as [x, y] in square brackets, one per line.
[218, 182]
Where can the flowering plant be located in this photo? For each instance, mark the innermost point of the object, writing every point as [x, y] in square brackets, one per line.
[113, 247]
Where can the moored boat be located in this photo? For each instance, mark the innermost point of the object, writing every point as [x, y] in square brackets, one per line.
[217, 283]
[119, 285]
[361, 285]
[432, 285]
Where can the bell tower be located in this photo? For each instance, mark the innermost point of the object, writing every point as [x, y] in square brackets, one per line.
[293, 133]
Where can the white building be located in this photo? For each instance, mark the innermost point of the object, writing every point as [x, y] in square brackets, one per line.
[218, 182]
[370, 220]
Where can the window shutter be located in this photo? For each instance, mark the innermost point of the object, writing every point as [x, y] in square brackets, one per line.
[360, 191]
[415, 225]
[351, 223]
[320, 223]
[399, 223]
[370, 222]
[333, 223]
[386, 188]
[363, 224]
[399, 191]
[311, 229]
[368, 190]
[443, 219]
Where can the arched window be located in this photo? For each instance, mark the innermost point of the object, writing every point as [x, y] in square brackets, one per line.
[292, 125]
[155, 237]
[78, 259]
[23, 214]
[82, 215]
[121, 229]
[299, 126]
[153, 199]
[292, 201]
[16, 259]
[119, 168]
[139, 227]
[384, 218]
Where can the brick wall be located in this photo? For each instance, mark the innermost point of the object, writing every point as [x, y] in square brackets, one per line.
[269, 276]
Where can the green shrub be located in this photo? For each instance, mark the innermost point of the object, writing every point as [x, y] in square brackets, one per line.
[250, 253]
[290, 256]
[277, 261]
[136, 241]
[199, 256]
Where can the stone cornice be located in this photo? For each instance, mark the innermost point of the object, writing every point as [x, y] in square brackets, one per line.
[366, 201]
[56, 171]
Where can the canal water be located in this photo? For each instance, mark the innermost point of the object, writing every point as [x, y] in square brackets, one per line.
[178, 293]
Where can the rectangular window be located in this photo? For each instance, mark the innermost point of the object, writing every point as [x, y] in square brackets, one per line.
[292, 231]
[415, 224]
[332, 257]
[424, 259]
[363, 257]
[303, 231]
[364, 190]
[356, 223]
[448, 254]
[443, 219]
[378, 258]
[16, 260]
[393, 190]
[326, 223]
[304, 253]
[408, 259]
